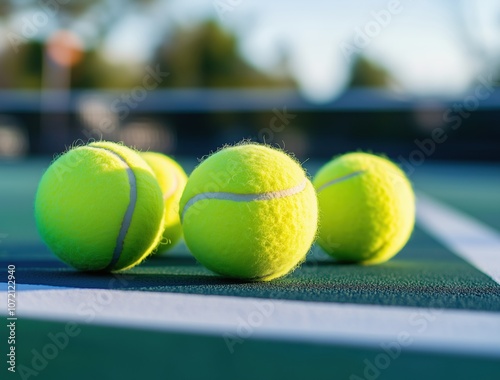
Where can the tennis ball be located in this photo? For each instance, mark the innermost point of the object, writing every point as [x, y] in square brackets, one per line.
[249, 212]
[172, 180]
[367, 208]
[99, 207]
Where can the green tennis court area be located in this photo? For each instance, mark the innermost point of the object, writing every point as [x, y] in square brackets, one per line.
[430, 312]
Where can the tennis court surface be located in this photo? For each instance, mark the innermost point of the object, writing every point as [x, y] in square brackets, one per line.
[431, 312]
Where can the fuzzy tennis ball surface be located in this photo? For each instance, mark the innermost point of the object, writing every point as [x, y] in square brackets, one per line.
[172, 180]
[249, 212]
[99, 207]
[367, 208]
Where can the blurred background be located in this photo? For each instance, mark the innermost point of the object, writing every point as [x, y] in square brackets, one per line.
[412, 79]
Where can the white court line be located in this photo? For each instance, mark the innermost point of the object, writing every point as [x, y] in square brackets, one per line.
[467, 237]
[455, 331]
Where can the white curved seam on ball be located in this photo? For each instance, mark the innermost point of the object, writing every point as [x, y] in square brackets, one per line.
[340, 179]
[127, 218]
[245, 197]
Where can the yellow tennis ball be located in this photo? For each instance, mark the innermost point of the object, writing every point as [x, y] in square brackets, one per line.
[172, 180]
[99, 207]
[367, 208]
[249, 212]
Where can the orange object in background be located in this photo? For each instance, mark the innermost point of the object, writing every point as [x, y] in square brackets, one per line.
[65, 48]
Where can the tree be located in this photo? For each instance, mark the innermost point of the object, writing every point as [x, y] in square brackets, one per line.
[208, 56]
[366, 73]
[24, 68]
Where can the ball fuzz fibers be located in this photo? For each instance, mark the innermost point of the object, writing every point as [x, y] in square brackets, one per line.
[249, 212]
[367, 208]
[99, 207]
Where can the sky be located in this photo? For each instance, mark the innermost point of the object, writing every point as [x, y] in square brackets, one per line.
[434, 48]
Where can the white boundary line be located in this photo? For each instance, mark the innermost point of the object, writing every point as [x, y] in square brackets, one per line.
[467, 237]
[454, 331]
